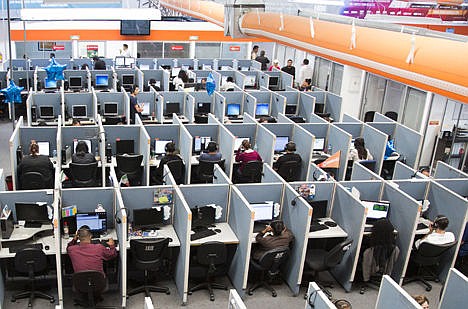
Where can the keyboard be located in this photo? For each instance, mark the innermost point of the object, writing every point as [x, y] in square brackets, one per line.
[15, 249]
[421, 226]
[317, 227]
[202, 234]
[104, 242]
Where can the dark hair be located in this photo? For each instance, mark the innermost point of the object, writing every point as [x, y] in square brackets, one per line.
[152, 81]
[84, 232]
[230, 79]
[421, 299]
[277, 226]
[81, 148]
[305, 61]
[291, 146]
[262, 53]
[84, 66]
[52, 55]
[246, 144]
[95, 58]
[34, 149]
[289, 60]
[170, 147]
[383, 240]
[183, 75]
[212, 147]
[361, 148]
[125, 45]
[441, 222]
[255, 47]
[134, 87]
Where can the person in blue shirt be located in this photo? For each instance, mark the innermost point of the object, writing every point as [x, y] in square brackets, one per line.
[390, 148]
[212, 154]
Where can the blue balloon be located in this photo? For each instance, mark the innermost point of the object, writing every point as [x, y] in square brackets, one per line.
[55, 70]
[210, 84]
[12, 93]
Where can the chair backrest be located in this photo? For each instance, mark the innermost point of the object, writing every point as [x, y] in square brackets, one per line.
[129, 164]
[177, 168]
[30, 260]
[273, 259]
[369, 116]
[148, 253]
[89, 281]
[206, 168]
[336, 254]
[212, 253]
[33, 181]
[392, 115]
[252, 171]
[83, 175]
[430, 254]
[290, 170]
[369, 164]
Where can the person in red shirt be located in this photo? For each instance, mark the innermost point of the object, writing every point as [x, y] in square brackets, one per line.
[245, 154]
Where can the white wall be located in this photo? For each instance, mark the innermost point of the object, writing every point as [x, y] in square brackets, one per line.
[434, 125]
[351, 90]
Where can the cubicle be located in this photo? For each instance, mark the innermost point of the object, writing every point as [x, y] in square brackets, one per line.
[403, 171]
[360, 172]
[77, 80]
[112, 105]
[80, 106]
[391, 295]
[103, 80]
[327, 102]
[446, 171]
[454, 293]
[44, 106]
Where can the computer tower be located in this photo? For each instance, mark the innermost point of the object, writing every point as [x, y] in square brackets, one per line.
[109, 153]
[33, 113]
[66, 154]
[19, 154]
[7, 226]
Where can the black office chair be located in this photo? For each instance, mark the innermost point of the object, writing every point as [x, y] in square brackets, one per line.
[369, 164]
[252, 172]
[373, 269]
[427, 258]
[392, 115]
[319, 260]
[177, 168]
[211, 262]
[32, 262]
[91, 285]
[33, 181]
[83, 175]
[201, 118]
[130, 165]
[269, 266]
[290, 170]
[369, 116]
[148, 255]
[206, 170]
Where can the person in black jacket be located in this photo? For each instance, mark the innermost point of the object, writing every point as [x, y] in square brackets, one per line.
[82, 155]
[36, 163]
[171, 155]
[290, 155]
[263, 60]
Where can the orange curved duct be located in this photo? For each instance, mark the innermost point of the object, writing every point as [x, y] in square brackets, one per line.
[207, 10]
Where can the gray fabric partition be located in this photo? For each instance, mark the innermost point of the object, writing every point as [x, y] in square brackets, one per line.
[173, 97]
[387, 128]
[91, 133]
[217, 79]
[185, 148]
[249, 119]
[319, 300]
[404, 214]
[278, 104]
[11, 197]
[378, 117]
[281, 118]
[166, 80]
[446, 171]
[454, 295]
[262, 80]
[243, 130]
[122, 232]
[261, 192]
[391, 295]
[408, 142]
[349, 214]
[403, 171]
[159, 107]
[213, 120]
[265, 143]
[201, 195]
[376, 142]
[304, 147]
[14, 142]
[348, 118]
[297, 220]
[317, 129]
[314, 118]
[40, 134]
[157, 75]
[269, 175]
[239, 79]
[241, 221]
[165, 132]
[250, 104]
[459, 186]
[148, 98]
[110, 77]
[220, 176]
[355, 129]
[368, 190]
[323, 191]
[122, 132]
[219, 106]
[339, 140]
[306, 106]
[47, 99]
[287, 80]
[226, 148]
[117, 97]
[316, 172]
[360, 172]
[333, 105]
[144, 149]
[72, 99]
[417, 189]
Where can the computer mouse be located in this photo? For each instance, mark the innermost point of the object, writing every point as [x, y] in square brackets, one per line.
[330, 223]
[46, 247]
[217, 230]
[170, 239]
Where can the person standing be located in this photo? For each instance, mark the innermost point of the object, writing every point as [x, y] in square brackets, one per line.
[263, 60]
[305, 72]
[135, 108]
[253, 54]
[289, 68]
[99, 64]
[124, 51]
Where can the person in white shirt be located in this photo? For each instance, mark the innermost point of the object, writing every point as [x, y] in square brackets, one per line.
[180, 79]
[437, 234]
[305, 72]
[359, 152]
[124, 51]
[229, 84]
[254, 52]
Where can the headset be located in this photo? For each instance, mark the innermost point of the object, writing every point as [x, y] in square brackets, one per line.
[212, 145]
[290, 146]
[170, 147]
[435, 224]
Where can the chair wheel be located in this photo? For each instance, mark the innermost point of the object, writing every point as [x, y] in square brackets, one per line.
[212, 298]
[52, 300]
[436, 280]
[250, 292]
[428, 288]
[305, 296]
[361, 291]
[189, 293]
[13, 299]
[274, 294]
[168, 292]
[29, 305]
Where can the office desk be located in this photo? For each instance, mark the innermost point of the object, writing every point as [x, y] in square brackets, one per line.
[47, 123]
[150, 120]
[183, 119]
[111, 233]
[331, 232]
[22, 233]
[226, 236]
[83, 122]
[427, 223]
[166, 231]
[22, 236]
[239, 119]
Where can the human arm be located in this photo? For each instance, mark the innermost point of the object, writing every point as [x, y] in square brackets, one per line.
[74, 241]
[260, 236]
[109, 253]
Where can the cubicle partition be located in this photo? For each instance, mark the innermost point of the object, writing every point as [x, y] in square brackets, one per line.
[408, 143]
[78, 99]
[121, 229]
[265, 143]
[353, 128]
[339, 140]
[41, 100]
[89, 133]
[146, 63]
[250, 104]
[99, 82]
[261, 97]
[173, 97]
[226, 148]
[360, 172]
[454, 293]
[189, 108]
[333, 105]
[306, 106]
[459, 186]
[278, 104]
[376, 142]
[82, 75]
[316, 298]
[156, 75]
[111, 97]
[269, 175]
[446, 171]
[21, 78]
[348, 118]
[147, 98]
[391, 295]
[378, 117]
[403, 171]
[220, 102]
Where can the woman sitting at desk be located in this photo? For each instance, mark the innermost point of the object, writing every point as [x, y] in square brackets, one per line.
[171, 155]
[360, 152]
[390, 149]
[82, 155]
[212, 155]
[274, 236]
[180, 80]
[245, 154]
[36, 162]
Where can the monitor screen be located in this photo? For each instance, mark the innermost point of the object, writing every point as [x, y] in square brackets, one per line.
[125, 146]
[273, 81]
[233, 110]
[185, 67]
[290, 109]
[44, 148]
[281, 142]
[46, 111]
[244, 68]
[319, 143]
[146, 108]
[225, 68]
[120, 61]
[101, 80]
[263, 211]
[203, 216]
[200, 143]
[148, 218]
[74, 81]
[250, 80]
[135, 27]
[110, 108]
[263, 109]
[203, 108]
[79, 111]
[376, 210]
[206, 67]
[128, 79]
[50, 84]
[319, 209]
[87, 141]
[223, 80]
[238, 142]
[160, 146]
[172, 108]
[97, 221]
[31, 212]
[175, 72]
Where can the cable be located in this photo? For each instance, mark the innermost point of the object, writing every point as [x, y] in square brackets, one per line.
[293, 202]
[310, 301]
[117, 219]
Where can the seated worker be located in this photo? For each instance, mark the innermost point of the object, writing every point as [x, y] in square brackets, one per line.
[290, 155]
[180, 80]
[36, 162]
[229, 84]
[82, 155]
[360, 152]
[171, 155]
[152, 83]
[389, 148]
[212, 154]
[76, 122]
[305, 86]
[135, 108]
[273, 236]
[422, 301]
[437, 234]
[99, 64]
[426, 171]
[201, 85]
[245, 154]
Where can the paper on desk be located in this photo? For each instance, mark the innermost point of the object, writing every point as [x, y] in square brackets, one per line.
[219, 210]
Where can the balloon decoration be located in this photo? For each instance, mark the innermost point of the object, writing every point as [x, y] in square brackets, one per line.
[210, 84]
[55, 70]
[12, 93]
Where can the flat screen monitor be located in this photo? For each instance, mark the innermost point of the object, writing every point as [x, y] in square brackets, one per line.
[125, 146]
[160, 146]
[281, 142]
[225, 68]
[376, 210]
[44, 148]
[319, 144]
[175, 72]
[250, 80]
[128, 79]
[96, 221]
[101, 80]
[46, 111]
[290, 109]
[273, 81]
[200, 143]
[111, 108]
[87, 141]
[244, 68]
[224, 79]
[203, 216]
[50, 83]
[135, 27]
[148, 218]
[319, 209]
[206, 67]
[203, 108]
[120, 61]
[172, 108]
[233, 110]
[74, 82]
[238, 142]
[23, 82]
[263, 211]
[32, 213]
[146, 108]
[263, 109]
[79, 111]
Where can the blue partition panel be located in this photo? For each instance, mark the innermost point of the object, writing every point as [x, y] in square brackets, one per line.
[278, 104]
[269, 175]
[459, 186]
[360, 172]
[376, 142]
[407, 143]
[250, 104]
[454, 295]
[339, 140]
[306, 106]
[403, 171]
[123, 132]
[348, 118]
[445, 171]
[368, 190]
[265, 143]
[219, 105]
[201, 195]
[317, 299]
[11, 197]
[378, 117]
[168, 132]
[185, 147]
[39, 134]
[144, 149]
[391, 295]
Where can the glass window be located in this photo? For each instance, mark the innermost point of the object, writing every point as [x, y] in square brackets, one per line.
[373, 95]
[414, 108]
[150, 49]
[321, 69]
[393, 97]
[207, 50]
[176, 50]
[337, 77]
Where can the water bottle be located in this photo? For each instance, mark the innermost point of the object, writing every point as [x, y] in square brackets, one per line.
[66, 234]
[54, 153]
[329, 149]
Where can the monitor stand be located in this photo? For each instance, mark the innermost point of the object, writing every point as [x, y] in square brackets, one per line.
[32, 224]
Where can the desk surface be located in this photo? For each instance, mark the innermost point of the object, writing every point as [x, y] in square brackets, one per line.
[331, 232]
[25, 236]
[166, 231]
[22, 233]
[226, 236]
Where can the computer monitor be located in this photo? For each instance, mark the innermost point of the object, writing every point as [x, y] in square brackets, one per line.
[203, 108]
[148, 218]
[146, 108]
[44, 148]
[172, 108]
[101, 80]
[244, 68]
[206, 67]
[290, 109]
[238, 142]
[34, 214]
[263, 109]
[376, 209]
[225, 68]
[185, 67]
[87, 141]
[175, 72]
[200, 143]
[319, 209]
[319, 144]
[119, 61]
[79, 111]
[74, 82]
[224, 79]
[111, 108]
[96, 221]
[280, 143]
[23, 82]
[273, 81]
[263, 211]
[46, 111]
[50, 83]
[233, 109]
[124, 146]
[160, 146]
[250, 80]
[203, 216]
[128, 79]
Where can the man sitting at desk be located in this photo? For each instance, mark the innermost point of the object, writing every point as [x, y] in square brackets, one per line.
[82, 155]
[360, 152]
[437, 234]
[36, 162]
[171, 155]
[290, 155]
[229, 84]
[275, 235]
[245, 154]
[99, 64]
[212, 154]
